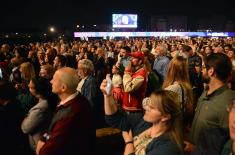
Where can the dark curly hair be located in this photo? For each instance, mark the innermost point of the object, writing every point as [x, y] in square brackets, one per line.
[43, 87]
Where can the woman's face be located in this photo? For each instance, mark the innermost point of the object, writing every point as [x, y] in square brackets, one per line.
[152, 114]
[85, 56]
[43, 73]
[32, 88]
[46, 58]
[56, 62]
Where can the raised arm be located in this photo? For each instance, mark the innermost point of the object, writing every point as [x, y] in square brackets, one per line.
[110, 107]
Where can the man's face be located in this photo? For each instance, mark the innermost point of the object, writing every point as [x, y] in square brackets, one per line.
[189, 53]
[226, 49]
[205, 76]
[92, 50]
[30, 55]
[81, 71]
[232, 121]
[134, 62]
[218, 50]
[56, 83]
[181, 47]
[119, 44]
[123, 53]
[158, 51]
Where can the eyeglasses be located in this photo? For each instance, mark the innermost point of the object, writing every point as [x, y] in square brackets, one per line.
[146, 101]
[147, 104]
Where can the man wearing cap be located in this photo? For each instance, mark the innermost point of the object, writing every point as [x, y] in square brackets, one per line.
[134, 85]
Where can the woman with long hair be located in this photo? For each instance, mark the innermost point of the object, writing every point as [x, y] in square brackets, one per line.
[177, 80]
[159, 132]
[25, 73]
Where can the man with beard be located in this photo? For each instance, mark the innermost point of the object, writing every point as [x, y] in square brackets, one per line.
[211, 111]
[134, 85]
[218, 141]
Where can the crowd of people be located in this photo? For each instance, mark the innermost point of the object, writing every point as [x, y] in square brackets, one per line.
[169, 96]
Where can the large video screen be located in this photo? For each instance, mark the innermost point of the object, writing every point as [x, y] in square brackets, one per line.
[124, 20]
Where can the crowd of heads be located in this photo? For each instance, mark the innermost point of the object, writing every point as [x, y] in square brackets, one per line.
[57, 67]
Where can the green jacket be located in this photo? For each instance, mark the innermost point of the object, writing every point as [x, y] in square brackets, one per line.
[227, 149]
[211, 111]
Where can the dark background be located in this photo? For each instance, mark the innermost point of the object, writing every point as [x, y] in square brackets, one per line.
[38, 15]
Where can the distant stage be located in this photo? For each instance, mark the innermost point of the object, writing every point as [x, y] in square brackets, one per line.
[153, 34]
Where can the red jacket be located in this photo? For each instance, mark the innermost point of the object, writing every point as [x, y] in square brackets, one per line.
[132, 101]
[71, 131]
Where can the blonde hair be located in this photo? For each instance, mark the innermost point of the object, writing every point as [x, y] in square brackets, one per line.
[27, 69]
[166, 102]
[50, 70]
[178, 71]
[100, 52]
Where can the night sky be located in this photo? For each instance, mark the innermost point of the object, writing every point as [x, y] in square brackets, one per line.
[67, 13]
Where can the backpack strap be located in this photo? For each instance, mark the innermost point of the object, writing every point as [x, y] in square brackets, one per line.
[183, 102]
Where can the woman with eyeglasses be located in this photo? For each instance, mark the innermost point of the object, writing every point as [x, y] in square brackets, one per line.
[159, 132]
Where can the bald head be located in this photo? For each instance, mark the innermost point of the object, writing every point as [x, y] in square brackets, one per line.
[218, 49]
[65, 77]
[70, 77]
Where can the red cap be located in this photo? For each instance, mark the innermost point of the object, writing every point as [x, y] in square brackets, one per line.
[138, 54]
